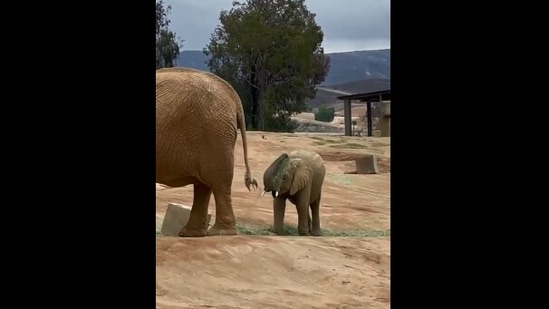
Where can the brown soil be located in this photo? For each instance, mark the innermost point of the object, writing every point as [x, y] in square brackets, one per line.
[286, 271]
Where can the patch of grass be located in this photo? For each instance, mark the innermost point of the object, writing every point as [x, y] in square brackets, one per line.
[253, 230]
[331, 141]
[376, 144]
[346, 180]
[350, 145]
[158, 226]
[291, 230]
[356, 233]
[320, 141]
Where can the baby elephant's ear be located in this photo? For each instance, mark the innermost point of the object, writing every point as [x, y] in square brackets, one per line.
[301, 176]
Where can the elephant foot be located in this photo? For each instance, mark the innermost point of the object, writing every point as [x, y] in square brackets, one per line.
[185, 232]
[216, 230]
[304, 234]
[315, 232]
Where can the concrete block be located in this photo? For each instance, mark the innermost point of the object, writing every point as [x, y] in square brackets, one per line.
[384, 126]
[367, 165]
[376, 133]
[386, 109]
[175, 219]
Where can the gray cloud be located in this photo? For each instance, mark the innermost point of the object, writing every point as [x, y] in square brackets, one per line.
[347, 25]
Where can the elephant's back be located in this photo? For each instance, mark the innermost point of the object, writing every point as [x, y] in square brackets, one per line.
[183, 72]
[195, 95]
[187, 80]
[309, 155]
[195, 109]
[314, 160]
[194, 90]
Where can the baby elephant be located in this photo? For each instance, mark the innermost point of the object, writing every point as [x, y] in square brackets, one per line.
[297, 176]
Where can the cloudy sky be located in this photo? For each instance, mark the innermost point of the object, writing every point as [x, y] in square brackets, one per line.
[356, 25]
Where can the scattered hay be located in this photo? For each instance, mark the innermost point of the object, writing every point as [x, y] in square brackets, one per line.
[350, 146]
[291, 230]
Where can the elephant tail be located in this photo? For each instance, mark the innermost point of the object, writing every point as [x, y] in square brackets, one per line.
[241, 122]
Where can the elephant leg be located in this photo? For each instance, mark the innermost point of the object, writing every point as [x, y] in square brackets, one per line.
[279, 207]
[303, 215]
[225, 223]
[197, 224]
[315, 210]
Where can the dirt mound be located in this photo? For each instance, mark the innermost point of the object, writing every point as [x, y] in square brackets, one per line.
[272, 272]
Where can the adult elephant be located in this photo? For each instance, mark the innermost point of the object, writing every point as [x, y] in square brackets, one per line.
[197, 117]
[297, 176]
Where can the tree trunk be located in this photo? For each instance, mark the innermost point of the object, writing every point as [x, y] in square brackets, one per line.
[261, 117]
[256, 99]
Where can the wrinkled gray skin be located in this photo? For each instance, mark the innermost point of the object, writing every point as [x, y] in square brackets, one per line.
[197, 118]
[298, 177]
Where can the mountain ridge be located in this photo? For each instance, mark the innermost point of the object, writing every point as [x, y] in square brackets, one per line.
[345, 67]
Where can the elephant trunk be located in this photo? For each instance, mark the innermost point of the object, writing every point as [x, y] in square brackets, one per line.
[268, 177]
[272, 178]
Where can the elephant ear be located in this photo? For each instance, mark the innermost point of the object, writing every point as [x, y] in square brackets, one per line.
[301, 176]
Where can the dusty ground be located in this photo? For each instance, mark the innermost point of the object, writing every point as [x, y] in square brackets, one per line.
[286, 271]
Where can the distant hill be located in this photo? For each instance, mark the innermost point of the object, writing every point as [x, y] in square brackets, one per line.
[359, 65]
[327, 95]
[345, 67]
[192, 59]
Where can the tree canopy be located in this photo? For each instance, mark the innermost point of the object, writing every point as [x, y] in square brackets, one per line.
[325, 114]
[167, 46]
[270, 51]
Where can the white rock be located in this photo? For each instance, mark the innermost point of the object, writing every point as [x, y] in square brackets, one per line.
[175, 219]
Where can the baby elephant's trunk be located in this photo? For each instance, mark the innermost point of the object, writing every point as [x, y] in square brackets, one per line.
[272, 175]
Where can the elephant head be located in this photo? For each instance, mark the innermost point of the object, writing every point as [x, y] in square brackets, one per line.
[285, 175]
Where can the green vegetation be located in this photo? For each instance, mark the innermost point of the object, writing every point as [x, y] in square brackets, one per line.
[320, 141]
[342, 179]
[291, 230]
[350, 146]
[325, 114]
[271, 53]
[167, 47]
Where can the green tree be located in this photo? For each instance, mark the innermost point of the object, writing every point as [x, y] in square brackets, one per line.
[325, 114]
[271, 52]
[167, 46]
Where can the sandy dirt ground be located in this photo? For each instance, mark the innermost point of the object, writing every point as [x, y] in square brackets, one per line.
[286, 271]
